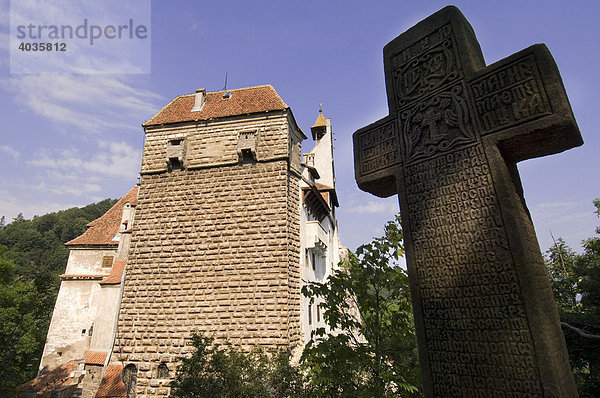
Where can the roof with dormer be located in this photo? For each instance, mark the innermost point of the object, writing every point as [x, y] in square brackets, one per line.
[102, 230]
[242, 101]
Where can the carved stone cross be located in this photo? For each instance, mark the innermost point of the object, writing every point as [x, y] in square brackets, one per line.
[485, 316]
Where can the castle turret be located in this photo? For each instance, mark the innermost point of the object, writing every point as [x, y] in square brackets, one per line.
[323, 151]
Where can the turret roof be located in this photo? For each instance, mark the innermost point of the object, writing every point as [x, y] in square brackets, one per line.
[320, 122]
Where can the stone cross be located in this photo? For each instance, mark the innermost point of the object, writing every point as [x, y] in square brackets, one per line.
[485, 316]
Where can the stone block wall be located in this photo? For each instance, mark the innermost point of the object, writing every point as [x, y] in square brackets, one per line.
[294, 267]
[214, 143]
[215, 247]
[91, 381]
[214, 251]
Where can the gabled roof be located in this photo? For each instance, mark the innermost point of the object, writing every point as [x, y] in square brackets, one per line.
[102, 230]
[242, 101]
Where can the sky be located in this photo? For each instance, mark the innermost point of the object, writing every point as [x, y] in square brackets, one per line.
[74, 138]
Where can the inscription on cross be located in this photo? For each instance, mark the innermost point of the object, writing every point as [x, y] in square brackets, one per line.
[485, 316]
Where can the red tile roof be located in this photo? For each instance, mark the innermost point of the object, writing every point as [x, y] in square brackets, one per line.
[95, 358]
[116, 272]
[241, 102]
[102, 230]
[111, 385]
[45, 384]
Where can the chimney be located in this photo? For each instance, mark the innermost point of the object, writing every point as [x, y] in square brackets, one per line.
[199, 100]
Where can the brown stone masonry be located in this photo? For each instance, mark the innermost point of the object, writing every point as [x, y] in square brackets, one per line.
[214, 251]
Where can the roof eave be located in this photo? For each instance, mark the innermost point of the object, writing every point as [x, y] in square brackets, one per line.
[110, 245]
[295, 124]
[212, 119]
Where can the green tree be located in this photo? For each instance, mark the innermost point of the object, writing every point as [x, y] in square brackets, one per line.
[21, 333]
[218, 371]
[587, 268]
[560, 262]
[372, 349]
[575, 280]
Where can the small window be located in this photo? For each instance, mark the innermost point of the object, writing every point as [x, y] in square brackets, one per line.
[129, 377]
[306, 260]
[107, 261]
[318, 313]
[175, 164]
[247, 155]
[310, 314]
[314, 262]
[246, 146]
[162, 372]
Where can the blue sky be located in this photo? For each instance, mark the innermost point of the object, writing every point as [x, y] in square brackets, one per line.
[72, 139]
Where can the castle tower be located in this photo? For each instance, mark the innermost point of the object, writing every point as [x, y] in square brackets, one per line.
[215, 248]
[320, 242]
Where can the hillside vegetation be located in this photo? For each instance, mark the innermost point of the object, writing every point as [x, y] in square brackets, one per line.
[32, 256]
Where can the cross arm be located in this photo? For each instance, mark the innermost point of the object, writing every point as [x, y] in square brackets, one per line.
[521, 105]
[376, 157]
